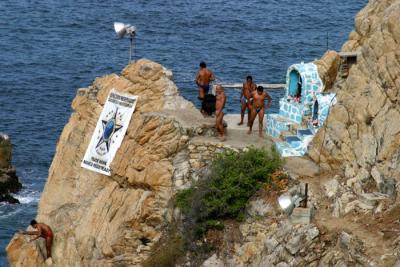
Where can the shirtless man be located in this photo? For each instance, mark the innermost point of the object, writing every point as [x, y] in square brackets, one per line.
[258, 108]
[245, 99]
[220, 111]
[203, 78]
[42, 230]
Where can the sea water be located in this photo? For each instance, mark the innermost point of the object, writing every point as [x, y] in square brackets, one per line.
[49, 48]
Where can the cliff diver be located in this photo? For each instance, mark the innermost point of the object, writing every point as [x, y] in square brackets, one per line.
[203, 78]
[44, 231]
[245, 99]
[220, 112]
[258, 108]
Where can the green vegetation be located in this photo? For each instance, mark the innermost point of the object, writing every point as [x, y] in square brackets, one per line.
[234, 178]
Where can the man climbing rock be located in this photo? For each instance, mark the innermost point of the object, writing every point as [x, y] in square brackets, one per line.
[42, 230]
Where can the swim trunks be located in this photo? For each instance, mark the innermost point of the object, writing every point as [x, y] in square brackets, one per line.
[205, 87]
[258, 109]
[244, 99]
[48, 235]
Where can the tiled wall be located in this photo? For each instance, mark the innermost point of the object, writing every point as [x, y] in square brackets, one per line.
[291, 110]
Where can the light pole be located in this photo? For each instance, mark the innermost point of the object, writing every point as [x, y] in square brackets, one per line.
[121, 29]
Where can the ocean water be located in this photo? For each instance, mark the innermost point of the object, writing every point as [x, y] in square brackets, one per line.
[49, 48]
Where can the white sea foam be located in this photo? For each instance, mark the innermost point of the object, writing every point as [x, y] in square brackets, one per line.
[27, 196]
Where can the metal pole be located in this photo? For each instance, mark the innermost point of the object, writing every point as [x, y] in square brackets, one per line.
[134, 49]
[305, 196]
[130, 50]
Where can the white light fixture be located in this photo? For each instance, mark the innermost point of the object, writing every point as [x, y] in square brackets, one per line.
[121, 29]
[288, 203]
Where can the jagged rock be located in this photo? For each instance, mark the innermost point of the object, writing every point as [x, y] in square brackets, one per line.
[372, 199]
[5, 151]
[376, 175]
[328, 67]
[362, 131]
[8, 177]
[260, 207]
[294, 244]
[331, 187]
[282, 264]
[213, 261]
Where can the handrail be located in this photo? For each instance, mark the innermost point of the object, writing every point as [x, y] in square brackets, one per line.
[240, 85]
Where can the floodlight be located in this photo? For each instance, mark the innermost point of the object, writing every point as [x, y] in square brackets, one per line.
[288, 203]
[121, 29]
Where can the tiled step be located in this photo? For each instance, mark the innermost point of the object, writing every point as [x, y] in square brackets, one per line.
[293, 141]
[283, 135]
[304, 133]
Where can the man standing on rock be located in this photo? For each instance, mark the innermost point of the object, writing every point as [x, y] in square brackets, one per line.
[258, 108]
[245, 99]
[220, 111]
[42, 230]
[203, 78]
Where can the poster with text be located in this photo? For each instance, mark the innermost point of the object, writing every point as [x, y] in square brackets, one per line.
[109, 132]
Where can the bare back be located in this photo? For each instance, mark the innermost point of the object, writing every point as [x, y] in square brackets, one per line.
[204, 76]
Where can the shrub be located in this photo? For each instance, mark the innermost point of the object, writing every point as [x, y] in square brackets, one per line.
[235, 177]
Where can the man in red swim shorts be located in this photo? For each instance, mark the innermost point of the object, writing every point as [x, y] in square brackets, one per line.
[42, 230]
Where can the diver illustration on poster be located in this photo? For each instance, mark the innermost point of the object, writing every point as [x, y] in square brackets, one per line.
[109, 132]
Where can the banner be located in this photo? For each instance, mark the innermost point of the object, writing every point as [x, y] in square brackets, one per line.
[109, 132]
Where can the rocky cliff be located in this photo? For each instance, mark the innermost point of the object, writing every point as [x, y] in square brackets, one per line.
[362, 134]
[8, 178]
[108, 221]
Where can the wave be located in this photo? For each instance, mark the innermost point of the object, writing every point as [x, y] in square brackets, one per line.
[27, 196]
[7, 213]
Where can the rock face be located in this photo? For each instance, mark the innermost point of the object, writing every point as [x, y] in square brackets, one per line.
[114, 221]
[8, 178]
[274, 241]
[328, 67]
[362, 133]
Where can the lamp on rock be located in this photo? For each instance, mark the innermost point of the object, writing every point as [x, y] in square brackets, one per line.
[121, 29]
[288, 202]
